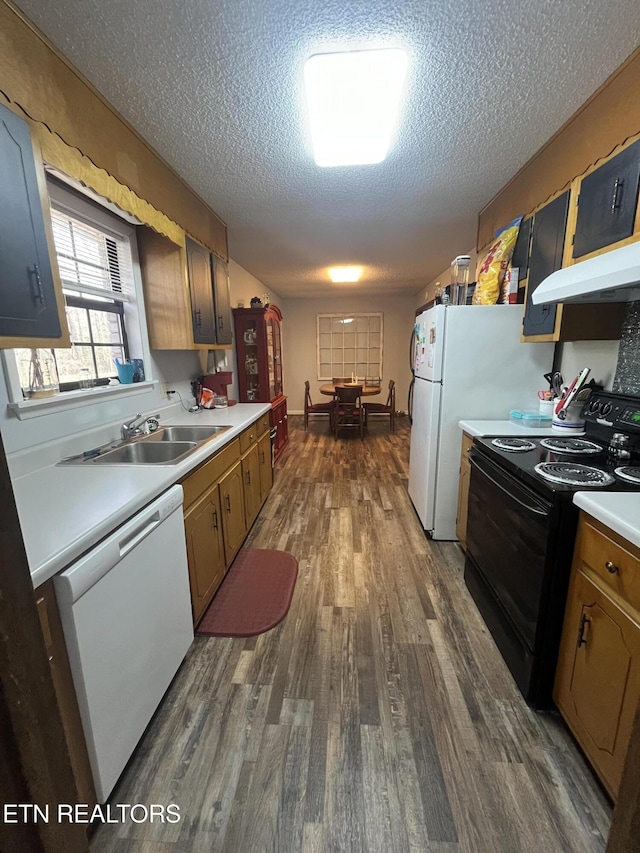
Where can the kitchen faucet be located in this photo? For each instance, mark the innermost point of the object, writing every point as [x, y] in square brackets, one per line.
[134, 427]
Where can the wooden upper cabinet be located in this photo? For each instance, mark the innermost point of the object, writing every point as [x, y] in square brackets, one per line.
[607, 202]
[31, 301]
[167, 305]
[178, 284]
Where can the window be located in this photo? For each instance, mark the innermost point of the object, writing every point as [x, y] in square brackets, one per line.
[349, 344]
[95, 253]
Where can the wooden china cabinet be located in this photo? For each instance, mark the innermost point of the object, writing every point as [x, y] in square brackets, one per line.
[258, 334]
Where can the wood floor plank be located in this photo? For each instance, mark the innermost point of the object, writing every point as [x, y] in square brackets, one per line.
[378, 716]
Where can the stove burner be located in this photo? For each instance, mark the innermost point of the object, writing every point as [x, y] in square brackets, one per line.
[573, 474]
[629, 473]
[513, 445]
[571, 445]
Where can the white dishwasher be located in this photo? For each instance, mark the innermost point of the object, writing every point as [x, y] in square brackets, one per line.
[126, 613]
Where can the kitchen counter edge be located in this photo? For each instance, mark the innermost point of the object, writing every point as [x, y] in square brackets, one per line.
[482, 428]
[99, 499]
[619, 511]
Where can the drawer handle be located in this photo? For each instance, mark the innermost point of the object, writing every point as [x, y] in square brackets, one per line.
[583, 624]
[611, 568]
[615, 201]
[40, 291]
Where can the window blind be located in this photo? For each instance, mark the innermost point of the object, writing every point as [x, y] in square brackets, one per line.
[91, 261]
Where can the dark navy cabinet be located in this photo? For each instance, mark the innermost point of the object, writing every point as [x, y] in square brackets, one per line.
[201, 289]
[547, 246]
[607, 202]
[210, 301]
[28, 306]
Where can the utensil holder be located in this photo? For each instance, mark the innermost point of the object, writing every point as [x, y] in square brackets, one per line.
[572, 424]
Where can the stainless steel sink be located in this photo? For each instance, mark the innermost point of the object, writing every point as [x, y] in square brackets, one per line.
[186, 433]
[166, 446]
[146, 453]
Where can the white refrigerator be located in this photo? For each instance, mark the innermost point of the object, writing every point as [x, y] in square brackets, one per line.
[469, 363]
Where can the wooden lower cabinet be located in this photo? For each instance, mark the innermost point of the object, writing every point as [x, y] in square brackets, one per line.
[222, 499]
[463, 490]
[233, 519]
[205, 549]
[251, 481]
[65, 691]
[597, 686]
[266, 468]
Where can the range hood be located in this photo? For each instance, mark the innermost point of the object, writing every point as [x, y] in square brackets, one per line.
[611, 277]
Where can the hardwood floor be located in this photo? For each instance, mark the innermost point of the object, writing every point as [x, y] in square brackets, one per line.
[378, 716]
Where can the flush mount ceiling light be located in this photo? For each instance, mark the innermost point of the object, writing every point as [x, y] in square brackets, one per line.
[341, 274]
[353, 101]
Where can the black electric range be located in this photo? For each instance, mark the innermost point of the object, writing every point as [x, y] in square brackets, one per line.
[521, 528]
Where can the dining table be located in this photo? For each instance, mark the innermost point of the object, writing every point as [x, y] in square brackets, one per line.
[329, 389]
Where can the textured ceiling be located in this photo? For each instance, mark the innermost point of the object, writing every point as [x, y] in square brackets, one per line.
[216, 87]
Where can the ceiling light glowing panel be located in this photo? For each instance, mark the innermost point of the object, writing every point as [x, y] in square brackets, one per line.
[353, 101]
[341, 274]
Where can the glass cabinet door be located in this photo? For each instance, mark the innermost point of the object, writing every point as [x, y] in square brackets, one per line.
[277, 359]
[271, 327]
[250, 366]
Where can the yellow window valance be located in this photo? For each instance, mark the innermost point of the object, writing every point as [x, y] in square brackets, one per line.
[71, 161]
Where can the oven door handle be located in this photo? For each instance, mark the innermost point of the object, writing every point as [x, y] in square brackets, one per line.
[498, 485]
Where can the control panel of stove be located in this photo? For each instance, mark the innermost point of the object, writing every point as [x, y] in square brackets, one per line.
[613, 410]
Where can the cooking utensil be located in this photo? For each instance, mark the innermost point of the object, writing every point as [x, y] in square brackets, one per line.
[569, 397]
[557, 383]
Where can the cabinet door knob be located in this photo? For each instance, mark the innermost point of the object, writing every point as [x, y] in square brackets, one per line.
[228, 502]
[611, 568]
[220, 321]
[583, 624]
[198, 317]
[215, 519]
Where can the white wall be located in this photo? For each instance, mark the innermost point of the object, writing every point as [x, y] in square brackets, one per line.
[599, 356]
[299, 342]
[175, 368]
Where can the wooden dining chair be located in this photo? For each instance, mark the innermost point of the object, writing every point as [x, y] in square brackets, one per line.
[388, 408]
[315, 408]
[348, 413]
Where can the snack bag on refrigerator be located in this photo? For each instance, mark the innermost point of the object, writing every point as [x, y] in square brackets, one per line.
[495, 265]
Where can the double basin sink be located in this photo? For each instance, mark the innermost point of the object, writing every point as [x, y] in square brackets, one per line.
[166, 446]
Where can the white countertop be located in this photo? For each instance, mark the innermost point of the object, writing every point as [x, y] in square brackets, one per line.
[480, 428]
[64, 510]
[620, 511]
